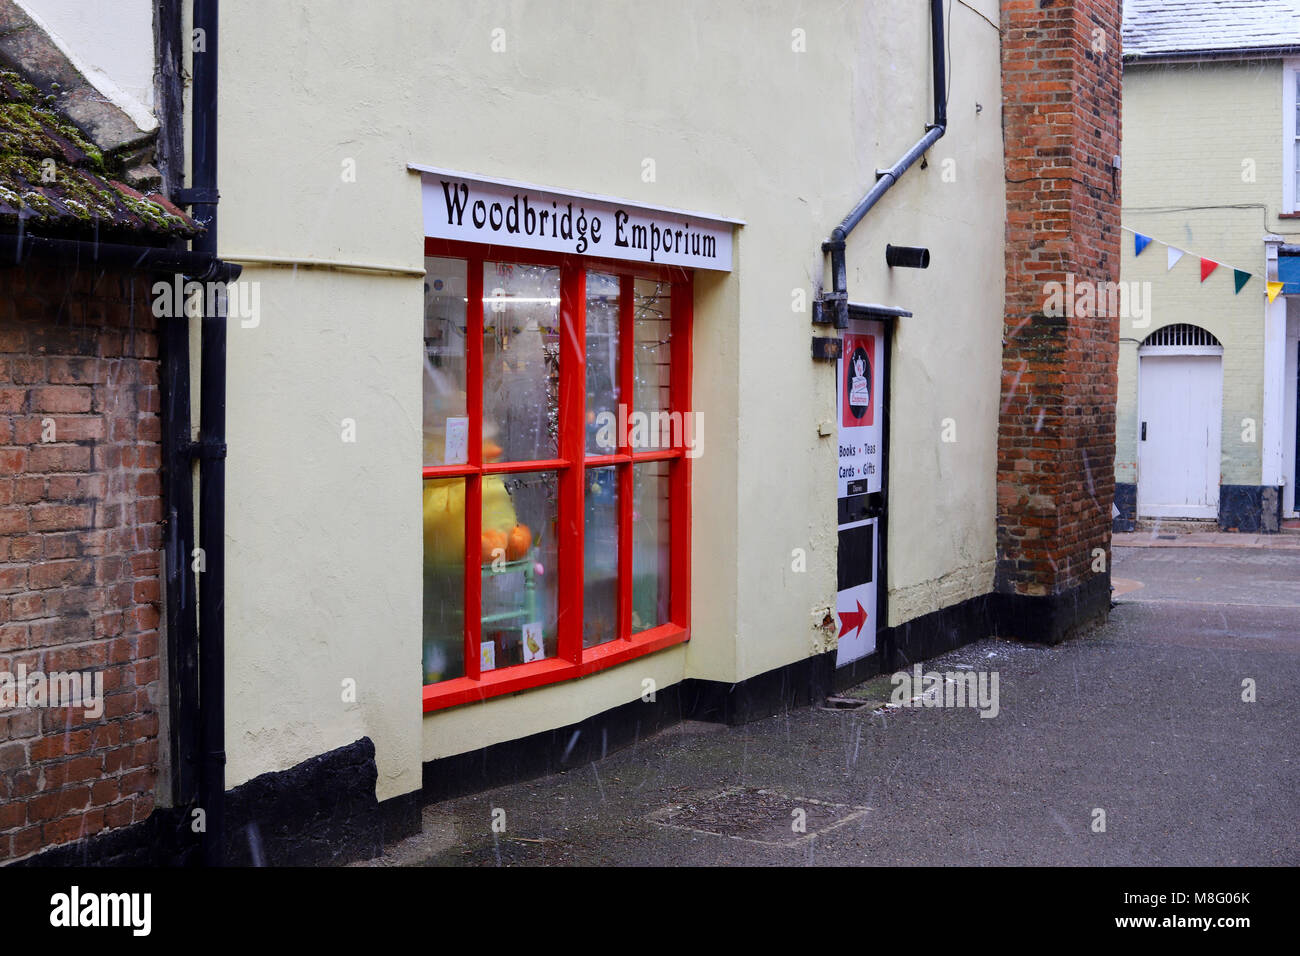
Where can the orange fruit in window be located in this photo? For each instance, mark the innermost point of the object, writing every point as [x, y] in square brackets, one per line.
[518, 542]
[491, 451]
[444, 519]
[493, 542]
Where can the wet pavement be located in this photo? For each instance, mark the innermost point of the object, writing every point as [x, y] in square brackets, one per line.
[1142, 719]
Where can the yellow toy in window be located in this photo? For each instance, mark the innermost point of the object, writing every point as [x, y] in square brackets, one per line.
[444, 499]
[444, 517]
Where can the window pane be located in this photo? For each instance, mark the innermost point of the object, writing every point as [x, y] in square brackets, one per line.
[602, 363]
[446, 429]
[520, 571]
[650, 540]
[600, 558]
[444, 579]
[521, 362]
[653, 327]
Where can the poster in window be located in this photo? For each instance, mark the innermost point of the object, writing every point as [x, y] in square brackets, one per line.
[860, 382]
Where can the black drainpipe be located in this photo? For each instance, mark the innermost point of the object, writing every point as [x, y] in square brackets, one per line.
[178, 471]
[833, 306]
[211, 451]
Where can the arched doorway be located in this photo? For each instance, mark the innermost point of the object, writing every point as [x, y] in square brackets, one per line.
[1180, 420]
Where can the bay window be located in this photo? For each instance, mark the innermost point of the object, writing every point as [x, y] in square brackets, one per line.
[556, 521]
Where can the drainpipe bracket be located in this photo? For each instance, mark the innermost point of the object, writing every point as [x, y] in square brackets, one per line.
[192, 195]
[206, 448]
[831, 308]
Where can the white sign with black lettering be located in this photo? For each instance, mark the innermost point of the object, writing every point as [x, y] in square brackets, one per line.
[471, 208]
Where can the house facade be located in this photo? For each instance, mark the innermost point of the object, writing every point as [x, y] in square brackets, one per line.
[1207, 404]
[571, 386]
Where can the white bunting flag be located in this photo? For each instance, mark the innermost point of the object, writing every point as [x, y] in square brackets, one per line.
[1174, 256]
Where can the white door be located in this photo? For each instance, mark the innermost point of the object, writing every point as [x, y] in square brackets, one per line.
[1180, 413]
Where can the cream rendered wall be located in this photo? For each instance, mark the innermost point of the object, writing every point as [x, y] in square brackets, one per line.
[1188, 129]
[324, 538]
[948, 356]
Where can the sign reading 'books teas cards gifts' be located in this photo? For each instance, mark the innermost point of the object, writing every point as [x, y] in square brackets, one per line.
[500, 212]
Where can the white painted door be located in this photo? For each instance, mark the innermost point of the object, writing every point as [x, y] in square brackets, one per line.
[1180, 412]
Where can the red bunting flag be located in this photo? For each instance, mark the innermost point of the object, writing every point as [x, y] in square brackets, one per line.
[1207, 266]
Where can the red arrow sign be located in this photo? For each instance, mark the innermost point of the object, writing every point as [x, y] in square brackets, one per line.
[852, 620]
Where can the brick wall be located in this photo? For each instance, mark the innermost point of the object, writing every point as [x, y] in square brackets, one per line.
[80, 540]
[1061, 105]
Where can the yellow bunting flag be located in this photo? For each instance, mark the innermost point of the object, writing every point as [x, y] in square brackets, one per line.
[1273, 289]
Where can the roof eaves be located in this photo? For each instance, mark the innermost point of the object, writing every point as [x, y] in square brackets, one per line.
[1238, 53]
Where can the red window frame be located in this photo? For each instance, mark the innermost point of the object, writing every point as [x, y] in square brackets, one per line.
[572, 659]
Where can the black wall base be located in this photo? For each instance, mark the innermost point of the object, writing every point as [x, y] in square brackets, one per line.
[550, 751]
[1052, 618]
[1126, 499]
[1253, 509]
[322, 811]
[795, 685]
[937, 633]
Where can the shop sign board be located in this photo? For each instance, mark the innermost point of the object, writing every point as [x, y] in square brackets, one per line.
[469, 208]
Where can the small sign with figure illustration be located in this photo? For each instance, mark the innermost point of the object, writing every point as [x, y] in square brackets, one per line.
[857, 383]
[534, 647]
[860, 432]
[456, 447]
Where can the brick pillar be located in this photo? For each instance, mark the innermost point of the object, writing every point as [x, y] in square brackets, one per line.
[1061, 73]
[80, 540]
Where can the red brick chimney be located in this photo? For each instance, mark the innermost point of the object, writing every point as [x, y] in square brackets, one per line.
[1061, 73]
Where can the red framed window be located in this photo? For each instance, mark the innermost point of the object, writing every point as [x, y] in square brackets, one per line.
[556, 506]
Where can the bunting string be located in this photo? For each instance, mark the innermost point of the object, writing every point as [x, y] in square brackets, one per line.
[1174, 253]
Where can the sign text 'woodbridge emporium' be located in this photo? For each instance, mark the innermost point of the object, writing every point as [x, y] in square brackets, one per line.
[470, 209]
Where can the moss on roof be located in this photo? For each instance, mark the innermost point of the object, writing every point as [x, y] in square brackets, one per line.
[51, 176]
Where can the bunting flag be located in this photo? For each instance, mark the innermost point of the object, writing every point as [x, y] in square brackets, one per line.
[1240, 277]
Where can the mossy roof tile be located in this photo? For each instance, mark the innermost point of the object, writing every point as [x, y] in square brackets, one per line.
[51, 176]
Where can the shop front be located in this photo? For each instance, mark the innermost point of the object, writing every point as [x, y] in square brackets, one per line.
[559, 432]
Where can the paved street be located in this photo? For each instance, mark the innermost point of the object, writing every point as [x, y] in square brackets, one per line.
[1142, 719]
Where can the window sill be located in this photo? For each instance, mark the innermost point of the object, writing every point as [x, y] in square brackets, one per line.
[510, 680]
